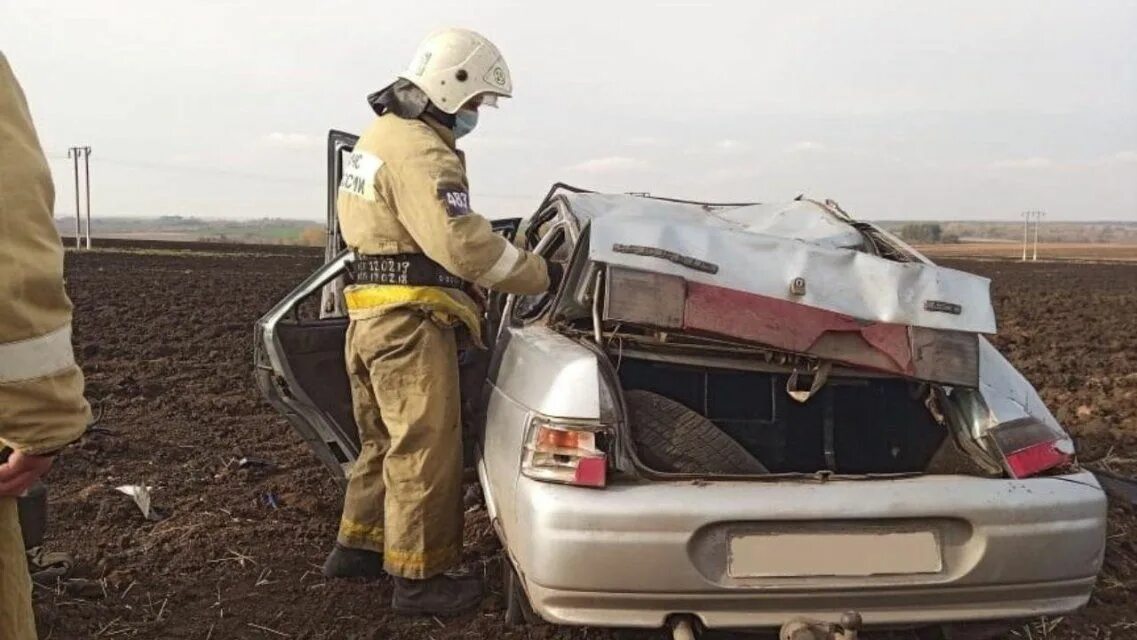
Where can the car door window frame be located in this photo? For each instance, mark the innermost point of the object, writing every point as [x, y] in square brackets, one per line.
[340, 145]
[560, 222]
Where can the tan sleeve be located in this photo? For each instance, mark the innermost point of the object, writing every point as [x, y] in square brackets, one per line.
[42, 407]
[431, 199]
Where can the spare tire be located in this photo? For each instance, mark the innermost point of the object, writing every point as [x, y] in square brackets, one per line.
[671, 438]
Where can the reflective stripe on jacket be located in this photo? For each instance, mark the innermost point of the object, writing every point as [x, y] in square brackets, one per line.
[41, 389]
[369, 300]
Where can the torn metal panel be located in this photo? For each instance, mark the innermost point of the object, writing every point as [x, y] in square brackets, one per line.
[799, 219]
[1007, 394]
[644, 297]
[951, 357]
[798, 252]
[926, 354]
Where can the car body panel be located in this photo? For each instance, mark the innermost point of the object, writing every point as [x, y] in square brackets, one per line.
[838, 278]
[1010, 547]
[1006, 392]
[547, 372]
[888, 608]
[335, 442]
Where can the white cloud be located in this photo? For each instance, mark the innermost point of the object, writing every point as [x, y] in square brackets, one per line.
[1124, 157]
[1035, 162]
[645, 141]
[278, 140]
[729, 146]
[609, 164]
[805, 146]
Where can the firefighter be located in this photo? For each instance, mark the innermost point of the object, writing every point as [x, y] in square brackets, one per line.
[41, 389]
[404, 207]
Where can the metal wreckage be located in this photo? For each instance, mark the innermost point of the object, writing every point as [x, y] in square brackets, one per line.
[737, 416]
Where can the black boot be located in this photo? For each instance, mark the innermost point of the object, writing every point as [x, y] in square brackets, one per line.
[440, 595]
[345, 562]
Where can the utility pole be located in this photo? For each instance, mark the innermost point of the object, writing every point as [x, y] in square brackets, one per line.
[87, 180]
[73, 153]
[1026, 226]
[1027, 215]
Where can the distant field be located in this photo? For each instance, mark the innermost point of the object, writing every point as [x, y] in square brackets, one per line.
[1046, 251]
[183, 228]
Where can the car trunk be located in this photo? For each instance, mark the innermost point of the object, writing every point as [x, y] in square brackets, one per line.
[851, 424]
[724, 373]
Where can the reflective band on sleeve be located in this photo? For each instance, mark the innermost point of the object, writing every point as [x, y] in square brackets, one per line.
[502, 267]
[37, 357]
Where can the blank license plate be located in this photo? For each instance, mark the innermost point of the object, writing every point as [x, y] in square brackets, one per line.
[834, 554]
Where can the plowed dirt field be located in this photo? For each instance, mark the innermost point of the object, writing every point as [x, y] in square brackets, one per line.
[164, 336]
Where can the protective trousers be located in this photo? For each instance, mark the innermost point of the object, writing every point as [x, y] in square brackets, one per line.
[16, 622]
[404, 495]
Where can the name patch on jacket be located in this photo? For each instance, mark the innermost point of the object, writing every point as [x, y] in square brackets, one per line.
[455, 199]
[359, 171]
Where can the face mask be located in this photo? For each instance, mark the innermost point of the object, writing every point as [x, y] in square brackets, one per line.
[464, 122]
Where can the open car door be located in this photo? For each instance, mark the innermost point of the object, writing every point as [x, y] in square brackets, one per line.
[299, 345]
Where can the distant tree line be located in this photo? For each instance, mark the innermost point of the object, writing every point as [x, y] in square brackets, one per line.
[309, 236]
[927, 233]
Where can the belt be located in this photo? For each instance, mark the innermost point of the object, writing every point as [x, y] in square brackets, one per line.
[408, 269]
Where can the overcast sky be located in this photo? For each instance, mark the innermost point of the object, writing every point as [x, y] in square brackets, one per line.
[895, 109]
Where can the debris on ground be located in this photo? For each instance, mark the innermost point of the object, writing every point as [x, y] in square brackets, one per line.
[271, 500]
[141, 495]
[251, 462]
[47, 567]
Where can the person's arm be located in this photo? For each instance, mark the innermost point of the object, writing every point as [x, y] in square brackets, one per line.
[429, 193]
[42, 408]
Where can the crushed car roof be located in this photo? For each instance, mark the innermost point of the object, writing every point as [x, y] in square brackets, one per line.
[764, 248]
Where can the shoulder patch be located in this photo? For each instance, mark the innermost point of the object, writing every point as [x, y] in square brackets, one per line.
[359, 171]
[455, 198]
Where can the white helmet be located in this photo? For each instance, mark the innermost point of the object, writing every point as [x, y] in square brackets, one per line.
[453, 65]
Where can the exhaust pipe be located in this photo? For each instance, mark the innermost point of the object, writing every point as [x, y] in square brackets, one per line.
[805, 629]
[682, 629]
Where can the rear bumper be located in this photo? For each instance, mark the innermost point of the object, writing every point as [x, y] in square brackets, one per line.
[631, 555]
[898, 608]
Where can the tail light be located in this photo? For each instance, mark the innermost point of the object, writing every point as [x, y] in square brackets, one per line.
[1029, 447]
[568, 452]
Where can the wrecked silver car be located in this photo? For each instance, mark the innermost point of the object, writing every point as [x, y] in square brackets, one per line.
[728, 416]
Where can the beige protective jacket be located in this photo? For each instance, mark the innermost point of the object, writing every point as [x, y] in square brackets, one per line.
[404, 190]
[41, 389]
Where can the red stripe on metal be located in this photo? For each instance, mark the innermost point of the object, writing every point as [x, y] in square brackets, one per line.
[792, 326]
